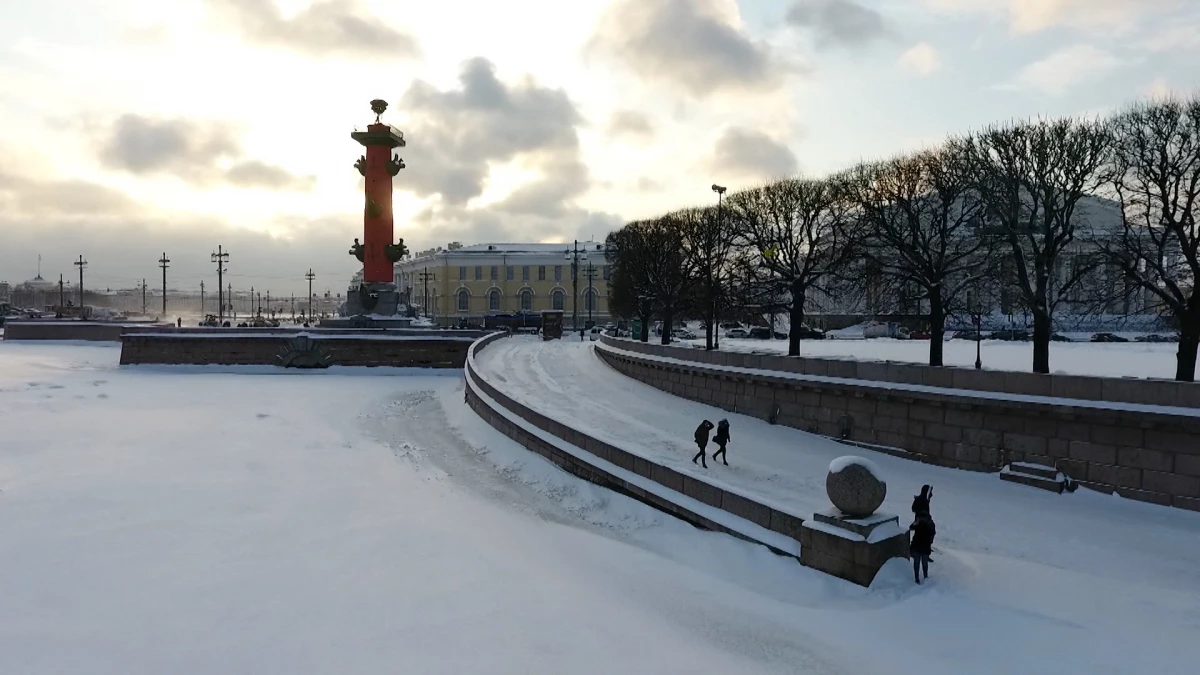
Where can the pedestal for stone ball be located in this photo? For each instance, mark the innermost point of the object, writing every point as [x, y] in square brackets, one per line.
[851, 548]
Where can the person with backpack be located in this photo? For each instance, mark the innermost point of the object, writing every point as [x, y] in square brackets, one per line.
[721, 439]
[921, 545]
[702, 441]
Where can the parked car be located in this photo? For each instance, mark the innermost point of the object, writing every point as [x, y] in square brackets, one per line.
[594, 333]
[1157, 338]
[968, 335]
[1059, 337]
[920, 335]
[1108, 337]
[759, 333]
[1010, 335]
[683, 334]
[737, 333]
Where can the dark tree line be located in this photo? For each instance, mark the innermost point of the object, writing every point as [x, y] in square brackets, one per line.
[1041, 209]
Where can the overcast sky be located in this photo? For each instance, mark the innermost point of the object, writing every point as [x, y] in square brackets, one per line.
[134, 127]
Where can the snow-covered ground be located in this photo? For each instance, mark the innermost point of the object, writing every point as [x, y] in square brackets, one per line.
[1113, 359]
[1063, 580]
[362, 521]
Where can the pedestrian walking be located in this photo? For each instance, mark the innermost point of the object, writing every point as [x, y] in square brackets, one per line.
[702, 441]
[721, 439]
[921, 545]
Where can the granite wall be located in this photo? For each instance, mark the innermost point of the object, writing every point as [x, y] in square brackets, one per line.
[1141, 452]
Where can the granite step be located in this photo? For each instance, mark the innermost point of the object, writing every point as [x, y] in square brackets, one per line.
[1040, 482]
[1029, 469]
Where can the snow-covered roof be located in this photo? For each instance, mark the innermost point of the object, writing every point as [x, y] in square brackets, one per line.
[529, 248]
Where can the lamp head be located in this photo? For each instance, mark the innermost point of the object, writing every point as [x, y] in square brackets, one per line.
[719, 189]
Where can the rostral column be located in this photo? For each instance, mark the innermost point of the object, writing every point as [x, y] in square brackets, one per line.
[377, 253]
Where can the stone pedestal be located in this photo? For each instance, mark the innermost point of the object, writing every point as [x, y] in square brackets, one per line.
[851, 548]
[373, 299]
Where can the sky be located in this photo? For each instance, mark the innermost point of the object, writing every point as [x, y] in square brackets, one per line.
[137, 127]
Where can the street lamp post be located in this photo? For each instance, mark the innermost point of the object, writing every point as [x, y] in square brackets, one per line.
[574, 255]
[591, 298]
[977, 318]
[712, 294]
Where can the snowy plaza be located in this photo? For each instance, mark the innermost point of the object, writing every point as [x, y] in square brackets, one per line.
[159, 519]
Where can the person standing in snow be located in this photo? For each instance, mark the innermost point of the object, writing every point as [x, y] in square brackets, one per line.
[920, 505]
[921, 546]
[721, 439]
[702, 441]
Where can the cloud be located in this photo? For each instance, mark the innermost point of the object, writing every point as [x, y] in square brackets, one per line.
[1032, 16]
[123, 238]
[324, 28]
[630, 124]
[457, 136]
[751, 154]
[921, 59]
[695, 46]
[194, 151]
[1067, 68]
[838, 23]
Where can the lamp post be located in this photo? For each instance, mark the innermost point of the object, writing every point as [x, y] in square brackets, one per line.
[221, 258]
[977, 317]
[590, 293]
[310, 275]
[712, 294]
[574, 255]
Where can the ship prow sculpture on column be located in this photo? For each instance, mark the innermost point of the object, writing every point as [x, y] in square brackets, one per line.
[375, 302]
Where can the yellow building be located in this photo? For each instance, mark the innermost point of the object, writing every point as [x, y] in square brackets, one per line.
[471, 282]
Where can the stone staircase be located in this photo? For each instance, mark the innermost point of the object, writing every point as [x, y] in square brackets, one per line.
[1038, 476]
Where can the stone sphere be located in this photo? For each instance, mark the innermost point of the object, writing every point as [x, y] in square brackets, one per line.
[855, 486]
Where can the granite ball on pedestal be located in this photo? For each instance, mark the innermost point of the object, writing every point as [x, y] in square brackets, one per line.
[855, 486]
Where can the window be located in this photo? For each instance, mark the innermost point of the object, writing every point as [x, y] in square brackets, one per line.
[494, 300]
[541, 272]
[462, 274]
[589, 300]
[494, 273]
[508, 272]
[478, 273]
[558, 272]
[526, 299]
[525, 273]
[605, 268]
[464, 299]
[556, 299]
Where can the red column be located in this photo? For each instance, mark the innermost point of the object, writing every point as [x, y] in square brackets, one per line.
[377, 212]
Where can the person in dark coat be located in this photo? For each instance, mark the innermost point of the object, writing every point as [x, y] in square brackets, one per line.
[702, 441]
[721, 439]
[921, 546]
[920, 505]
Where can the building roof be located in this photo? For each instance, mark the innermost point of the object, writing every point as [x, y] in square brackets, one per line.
[529, 248]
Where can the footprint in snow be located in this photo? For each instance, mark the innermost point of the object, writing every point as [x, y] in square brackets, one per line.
[262, 416]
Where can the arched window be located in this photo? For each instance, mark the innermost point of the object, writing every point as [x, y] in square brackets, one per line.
[494, 300]
[556, 299]
[526, 300]
[589, 300]
[464, 300]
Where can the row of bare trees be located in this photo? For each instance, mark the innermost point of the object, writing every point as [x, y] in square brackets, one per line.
[1036, 209]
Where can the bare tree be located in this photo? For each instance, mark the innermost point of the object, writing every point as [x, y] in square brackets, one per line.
[1032, 178]
[919, 221]
[796, 230]
[708, 242]
[1155, 163]
[626, 253]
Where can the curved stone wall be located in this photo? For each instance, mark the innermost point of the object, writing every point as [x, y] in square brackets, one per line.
[1144, 452]
[695, 501]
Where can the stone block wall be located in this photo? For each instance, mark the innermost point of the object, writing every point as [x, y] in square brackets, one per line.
[232, 349]
[1141, 454]
[769, 518]
[1110, 389]
[90, 331]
